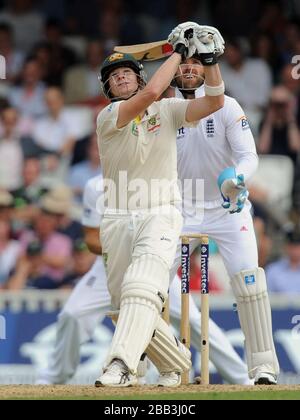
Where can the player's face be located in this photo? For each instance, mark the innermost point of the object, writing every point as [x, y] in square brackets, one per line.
[190, 74]
[123, 82]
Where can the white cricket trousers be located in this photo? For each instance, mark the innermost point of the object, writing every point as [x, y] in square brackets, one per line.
[87, 306]
[125, 238]
[233, 233]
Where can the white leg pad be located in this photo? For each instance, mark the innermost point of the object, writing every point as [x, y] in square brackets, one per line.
[143, 295]
[250, 290]
[166, 352]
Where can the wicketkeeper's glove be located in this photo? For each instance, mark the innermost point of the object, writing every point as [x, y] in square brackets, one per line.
[233, 190]
[208, 43]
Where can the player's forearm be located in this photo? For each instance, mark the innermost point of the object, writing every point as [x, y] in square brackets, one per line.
[213, 75]
[144, 98]
[213, 79]
[247, 165]
[164, 75]
[92, 240]
[213, 99]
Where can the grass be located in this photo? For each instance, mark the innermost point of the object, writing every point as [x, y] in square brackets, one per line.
[192, 393]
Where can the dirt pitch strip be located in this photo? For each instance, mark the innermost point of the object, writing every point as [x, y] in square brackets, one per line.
[191, 392]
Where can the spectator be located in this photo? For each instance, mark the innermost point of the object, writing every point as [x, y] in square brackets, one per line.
[28, 196]
[82, 262]
[27, 24]
[248, 80]
[284, 276]
[292, 84]
[271, 19]
[54, 133]
[6, 204]
[9, 251]
[264, 242]
[42, 53]
[29, 271]
[57, 248]
[61, 56]
[280, 133]
[264, 48]
[82, 172]
[63, 196]
[29, 98]
[110, 30]
[290, 39]
[244, 14]
[11, 155]
[31, 190]
[14, 59]
[81, 84]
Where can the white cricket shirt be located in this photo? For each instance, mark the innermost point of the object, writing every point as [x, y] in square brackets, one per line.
[223, 139]
[93, 202]
[141, 156]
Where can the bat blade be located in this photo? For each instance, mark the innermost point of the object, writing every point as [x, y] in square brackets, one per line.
[147, 52]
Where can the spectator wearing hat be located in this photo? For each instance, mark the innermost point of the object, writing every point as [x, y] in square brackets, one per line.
[57, 248]
[284, 275]
[82, 262]
[63, 197]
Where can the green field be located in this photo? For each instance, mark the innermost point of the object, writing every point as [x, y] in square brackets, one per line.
[186, 393]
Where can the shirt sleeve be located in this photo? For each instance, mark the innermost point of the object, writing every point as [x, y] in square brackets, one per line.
[175, 110]
[107, 122]
[241, 140]
[93, 204]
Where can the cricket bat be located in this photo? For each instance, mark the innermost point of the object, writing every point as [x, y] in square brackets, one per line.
[147, 52]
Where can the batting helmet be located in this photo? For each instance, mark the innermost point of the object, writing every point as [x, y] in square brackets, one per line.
[115, 61]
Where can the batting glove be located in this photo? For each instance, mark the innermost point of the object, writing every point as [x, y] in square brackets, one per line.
[180, 39]
[233, 190]
[209, 44]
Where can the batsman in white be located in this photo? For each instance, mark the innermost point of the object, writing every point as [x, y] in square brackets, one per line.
[141, 225]
[90, 301]
[221, 151]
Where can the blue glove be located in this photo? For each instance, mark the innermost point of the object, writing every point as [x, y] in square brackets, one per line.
[233, 190]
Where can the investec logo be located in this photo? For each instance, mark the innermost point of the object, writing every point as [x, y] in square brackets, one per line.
[2, 67]
[185, 269]
[2, 328]
[204, 269]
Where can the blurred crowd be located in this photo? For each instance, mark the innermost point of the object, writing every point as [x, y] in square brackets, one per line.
[51, 96]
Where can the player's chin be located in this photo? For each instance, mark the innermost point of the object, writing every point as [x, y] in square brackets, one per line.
[125, 91]
[191, 84]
